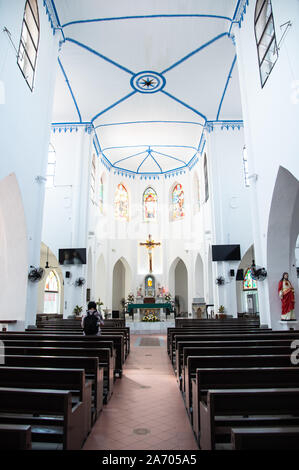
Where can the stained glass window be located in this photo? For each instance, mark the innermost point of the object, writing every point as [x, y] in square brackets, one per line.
[249, 283]
[121, 203]
[178, 203]
[51, 297]
[150, 202]
[101, 196]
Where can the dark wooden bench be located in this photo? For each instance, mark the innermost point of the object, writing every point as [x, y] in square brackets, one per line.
[274, 438]
[268, 335]
[104, 356]
[231, 378]
[57, 379]
[224, 362]
[116, 340]
[93, 372]
[51, 414]
[15, 437]
[186, 348]
[226, 409]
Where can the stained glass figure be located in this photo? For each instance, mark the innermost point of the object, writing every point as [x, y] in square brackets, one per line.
[178, 203]
[249, 283]
[121, 203]
[150, 202]
[51, 296]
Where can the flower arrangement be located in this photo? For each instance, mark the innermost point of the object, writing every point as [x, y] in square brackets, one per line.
[167, 297]
[150, 317]
[221, 309]
[130, 298]
[99, 303]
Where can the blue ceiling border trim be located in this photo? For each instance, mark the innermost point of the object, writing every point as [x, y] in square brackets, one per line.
[203, 46]
[53, 16]
[93, 51]
[113, 105]
[233, 124]
[70, 89]
[148, 122]
[226, 86]
[184, 104]
[142, 17]
[240, 12]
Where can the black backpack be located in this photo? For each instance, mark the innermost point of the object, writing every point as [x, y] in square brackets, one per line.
[91, 326]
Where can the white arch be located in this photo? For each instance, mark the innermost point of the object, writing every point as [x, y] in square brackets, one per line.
[199, 290]
[121, 282]
[178, 282]
[100, 280]
[47, 255]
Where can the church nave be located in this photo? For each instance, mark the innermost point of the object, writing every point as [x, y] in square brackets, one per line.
[146, 411]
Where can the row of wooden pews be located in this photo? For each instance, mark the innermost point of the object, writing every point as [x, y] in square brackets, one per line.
[54, 383]
[239, 385]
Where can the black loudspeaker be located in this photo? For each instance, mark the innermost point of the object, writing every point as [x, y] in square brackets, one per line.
[115, 313]
[232, 272]
[68, 274]
[240, 275]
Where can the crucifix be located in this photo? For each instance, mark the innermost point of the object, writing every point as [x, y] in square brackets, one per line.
[150, 244]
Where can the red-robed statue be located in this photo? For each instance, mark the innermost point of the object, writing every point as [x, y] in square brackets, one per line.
[286, 293]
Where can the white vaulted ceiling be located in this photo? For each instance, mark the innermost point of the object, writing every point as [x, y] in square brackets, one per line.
[148, 75]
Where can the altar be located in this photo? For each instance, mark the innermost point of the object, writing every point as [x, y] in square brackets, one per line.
[142, 309]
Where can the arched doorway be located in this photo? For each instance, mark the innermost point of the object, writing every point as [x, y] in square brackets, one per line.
[101, 284]
[51, 297]
[246, 287]
[51, 294]
[283, 230]
[121, 284]
[178, 285]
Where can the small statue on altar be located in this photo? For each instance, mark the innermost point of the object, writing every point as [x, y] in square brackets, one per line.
[160, 291]
[139, 292]
[287, 296]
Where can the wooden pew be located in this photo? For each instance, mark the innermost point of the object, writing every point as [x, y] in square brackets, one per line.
[104, 356]
[233, 337]
[261, 407]
[15, 437]
[93, 372]
[190, 368]
[273, 438]
[231, 378]
[112, 341]
[57, 379]
[50, 413]
[196, 350]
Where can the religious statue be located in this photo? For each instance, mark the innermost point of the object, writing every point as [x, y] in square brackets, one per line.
[150, 244]
[286, 294]
[139, 292]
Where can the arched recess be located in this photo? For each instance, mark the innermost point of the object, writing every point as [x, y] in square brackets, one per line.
[199, 291]
[100, 283]
[90, 274]
[210, 284]
[47, 258]
[283, 229]
[121, 283]
[13, 251]
[178, 285]
[247, 301]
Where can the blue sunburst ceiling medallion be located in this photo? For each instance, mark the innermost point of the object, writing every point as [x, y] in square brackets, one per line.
[148, 82]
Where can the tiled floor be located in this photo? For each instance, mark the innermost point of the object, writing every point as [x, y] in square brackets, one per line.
[146, 410]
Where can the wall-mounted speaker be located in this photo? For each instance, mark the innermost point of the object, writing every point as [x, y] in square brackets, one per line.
[68, 274]
[240, 275]
[232, 273]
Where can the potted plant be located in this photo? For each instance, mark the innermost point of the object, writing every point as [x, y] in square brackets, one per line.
[99, 303]
[221, 311]
[77, 310]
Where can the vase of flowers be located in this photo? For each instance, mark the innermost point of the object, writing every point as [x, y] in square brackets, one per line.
[150, 317]
[167, 297]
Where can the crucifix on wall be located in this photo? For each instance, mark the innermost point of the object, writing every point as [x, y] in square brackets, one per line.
[150, 245]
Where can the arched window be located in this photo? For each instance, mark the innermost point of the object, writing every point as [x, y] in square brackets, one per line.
[29, 41]
[178, 202]
[121, 203]
[101, 195]
[265, 38]
[150, 203]
[249, 283]
[51, 296]
[205, 169]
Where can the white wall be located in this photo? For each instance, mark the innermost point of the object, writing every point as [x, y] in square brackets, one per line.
[25, 127]
[271, 123]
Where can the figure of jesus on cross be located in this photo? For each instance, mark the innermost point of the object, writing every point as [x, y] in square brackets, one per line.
[150, 244]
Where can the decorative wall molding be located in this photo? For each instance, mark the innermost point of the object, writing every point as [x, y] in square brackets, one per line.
[224, 125]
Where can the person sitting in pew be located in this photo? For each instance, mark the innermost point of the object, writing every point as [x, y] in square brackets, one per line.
[92, 320]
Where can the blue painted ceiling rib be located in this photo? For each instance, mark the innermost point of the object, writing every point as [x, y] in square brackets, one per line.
[195, 52]
[169, 156]
[113, 105]
[156, 162]
[70, 89]
[226, 86]
[142, 17]
[99, 55]
[148, 122]
[184, 104]
[131, 156]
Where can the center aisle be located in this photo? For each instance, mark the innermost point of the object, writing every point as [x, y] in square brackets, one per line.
[146, 411]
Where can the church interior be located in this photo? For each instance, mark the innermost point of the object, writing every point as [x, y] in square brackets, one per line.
[149, 164]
